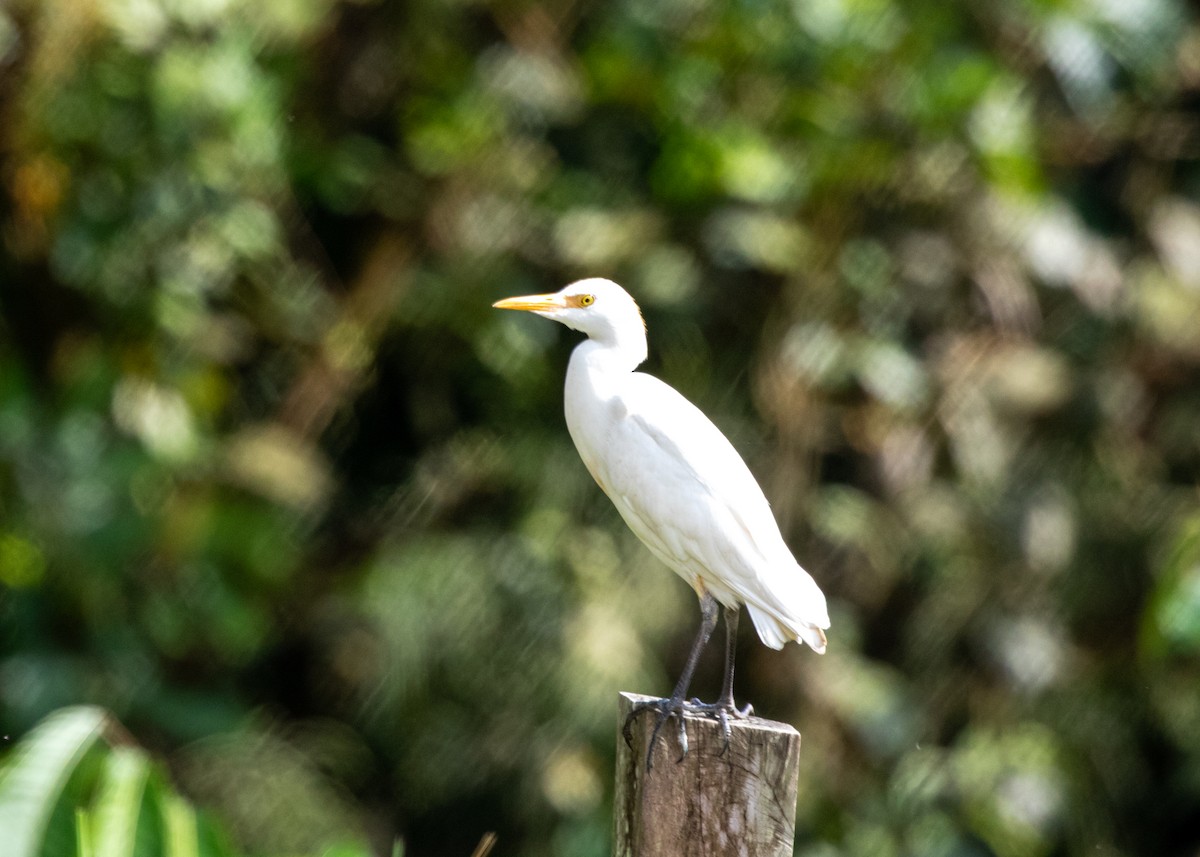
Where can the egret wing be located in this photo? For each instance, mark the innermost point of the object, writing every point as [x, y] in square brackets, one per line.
[685, 491]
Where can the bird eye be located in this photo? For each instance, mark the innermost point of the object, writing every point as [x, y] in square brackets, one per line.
[587, 300]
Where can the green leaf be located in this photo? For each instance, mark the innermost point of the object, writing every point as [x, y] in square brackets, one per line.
[84, 845]
[118, 806]
[180, 821]
[34, 779]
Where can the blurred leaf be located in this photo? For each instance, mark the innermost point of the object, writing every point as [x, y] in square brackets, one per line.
[52, 803]
[36, 773]
[119, 825]
[1173, 623]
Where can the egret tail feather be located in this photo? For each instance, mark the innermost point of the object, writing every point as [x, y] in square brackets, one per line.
[776, 634]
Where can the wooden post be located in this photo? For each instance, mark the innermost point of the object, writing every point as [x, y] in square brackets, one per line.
[738, 804]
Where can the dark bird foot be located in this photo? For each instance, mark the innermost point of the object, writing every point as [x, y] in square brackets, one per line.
[722, 710]
[665, 709]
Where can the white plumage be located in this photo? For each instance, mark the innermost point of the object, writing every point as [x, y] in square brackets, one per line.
[676, 480]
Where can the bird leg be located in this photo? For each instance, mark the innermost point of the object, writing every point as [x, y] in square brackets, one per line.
[675, 705]
[725, 707]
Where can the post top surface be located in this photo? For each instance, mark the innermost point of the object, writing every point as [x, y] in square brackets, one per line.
[754, 722]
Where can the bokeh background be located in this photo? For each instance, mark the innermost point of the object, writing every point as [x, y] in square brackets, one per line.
[282, 492]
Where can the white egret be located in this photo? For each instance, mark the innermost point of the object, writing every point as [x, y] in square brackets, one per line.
[680, 486]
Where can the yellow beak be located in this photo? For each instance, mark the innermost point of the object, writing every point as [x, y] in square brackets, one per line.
[533, 303]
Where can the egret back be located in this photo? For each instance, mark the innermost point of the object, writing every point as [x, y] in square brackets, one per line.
[685, 491]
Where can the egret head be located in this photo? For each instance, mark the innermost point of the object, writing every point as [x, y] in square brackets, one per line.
[598, 307]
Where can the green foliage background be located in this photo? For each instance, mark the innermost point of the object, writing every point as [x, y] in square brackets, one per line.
[283, 493]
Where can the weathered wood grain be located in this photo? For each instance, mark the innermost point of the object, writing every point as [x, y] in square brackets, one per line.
[740, 803]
